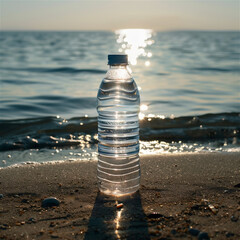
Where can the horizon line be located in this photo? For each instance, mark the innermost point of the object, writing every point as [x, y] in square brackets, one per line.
[110, 30]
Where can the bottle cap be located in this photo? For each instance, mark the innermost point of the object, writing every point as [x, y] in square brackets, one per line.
[118, 59]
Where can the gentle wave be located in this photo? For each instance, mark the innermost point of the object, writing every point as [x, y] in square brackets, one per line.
[46, 105]
[18, 82]
[216, 69]
[67, 70]
[50, 132]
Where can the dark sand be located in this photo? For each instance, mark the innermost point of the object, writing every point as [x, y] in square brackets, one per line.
[173, 186]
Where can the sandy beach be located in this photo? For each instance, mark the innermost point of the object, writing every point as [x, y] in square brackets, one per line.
[181, 196]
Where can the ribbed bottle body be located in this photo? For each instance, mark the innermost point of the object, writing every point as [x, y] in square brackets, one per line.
[118, 133]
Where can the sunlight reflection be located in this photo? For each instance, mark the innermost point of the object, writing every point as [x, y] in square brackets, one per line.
[160, 147]
[141, 115]
[133, 42]
[117, 221]
[149, 116]
[143, 107]
[147, 63]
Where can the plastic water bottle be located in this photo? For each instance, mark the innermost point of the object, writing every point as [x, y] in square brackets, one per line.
[118, 130]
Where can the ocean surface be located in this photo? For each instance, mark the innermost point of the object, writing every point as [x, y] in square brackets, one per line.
[189, 84]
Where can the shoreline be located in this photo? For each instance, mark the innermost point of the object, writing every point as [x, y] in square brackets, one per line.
[88, 160]
[175, 194]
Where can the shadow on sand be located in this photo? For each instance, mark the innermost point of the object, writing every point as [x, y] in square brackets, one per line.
[108, 222]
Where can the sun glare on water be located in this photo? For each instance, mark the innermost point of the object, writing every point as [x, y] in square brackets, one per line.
[133, 42]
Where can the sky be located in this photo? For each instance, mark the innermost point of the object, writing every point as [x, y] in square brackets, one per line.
[159, 15]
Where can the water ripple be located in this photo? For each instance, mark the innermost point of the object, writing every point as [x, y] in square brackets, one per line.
[216, 69]
[66, 70]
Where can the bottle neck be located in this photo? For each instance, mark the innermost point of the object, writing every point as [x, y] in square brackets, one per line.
[117, 66]
[122, 72]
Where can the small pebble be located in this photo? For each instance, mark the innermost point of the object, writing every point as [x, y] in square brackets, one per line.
[52, 224]
[4, 161]
[234, 218]
[9, 156]
[1, 196]
[54, 236]
[4, 226]
[50, 202]
[31, 220]
[203, 236]
[193, 231]
[229, 234]
[120, 205]
[213, 209]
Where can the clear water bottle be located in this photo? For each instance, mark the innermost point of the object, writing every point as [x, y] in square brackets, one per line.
[118, 130]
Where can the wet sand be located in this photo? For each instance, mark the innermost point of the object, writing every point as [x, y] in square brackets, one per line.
[178, 192]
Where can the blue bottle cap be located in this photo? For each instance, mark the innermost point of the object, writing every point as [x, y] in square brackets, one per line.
[118, 59]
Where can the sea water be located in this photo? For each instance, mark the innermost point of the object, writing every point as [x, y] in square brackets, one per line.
[188, 81]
